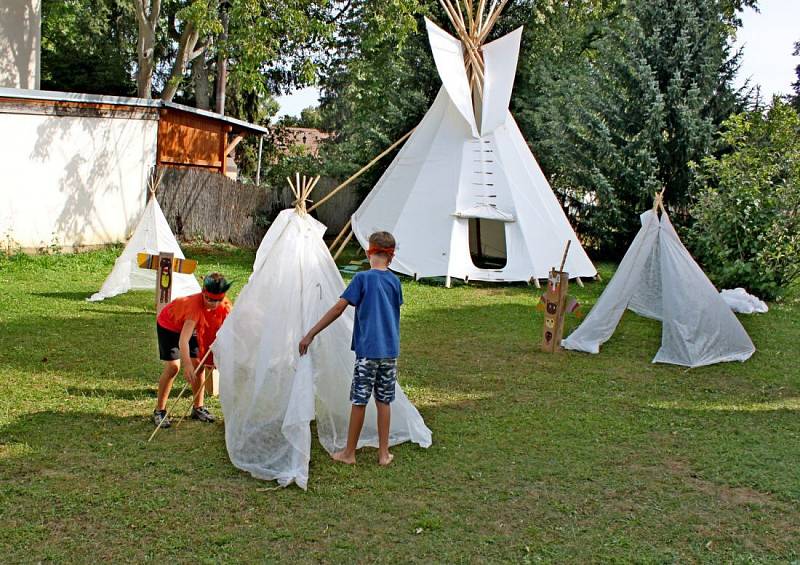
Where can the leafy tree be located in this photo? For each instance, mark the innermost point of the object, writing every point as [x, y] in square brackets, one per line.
[310, 117]
[796, 84]
[747, 229]
[86, 46]
[377, 82]
[271, 44]
[644, 103]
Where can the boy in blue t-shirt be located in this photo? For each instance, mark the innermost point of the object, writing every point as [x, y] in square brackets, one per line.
[377, 296]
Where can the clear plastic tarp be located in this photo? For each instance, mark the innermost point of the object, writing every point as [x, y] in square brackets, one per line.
[269, 393]
[659, 279]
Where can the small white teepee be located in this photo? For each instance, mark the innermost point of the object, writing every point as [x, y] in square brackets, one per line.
[269, 393]
[152, 235]
[658, 279]
[465, 197]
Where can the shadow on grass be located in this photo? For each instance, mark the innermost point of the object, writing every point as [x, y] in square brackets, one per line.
[116, 344]
[79, 296]
[120, 393]
[121, 312]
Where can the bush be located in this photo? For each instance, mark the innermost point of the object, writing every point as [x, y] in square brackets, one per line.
[747, 229]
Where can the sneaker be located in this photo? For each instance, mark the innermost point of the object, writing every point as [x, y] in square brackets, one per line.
[202, 414]
[160, 418]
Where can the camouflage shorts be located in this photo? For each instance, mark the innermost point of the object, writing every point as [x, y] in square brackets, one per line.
[379, 375]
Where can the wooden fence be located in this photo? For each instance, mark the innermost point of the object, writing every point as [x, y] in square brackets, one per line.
[207, 206]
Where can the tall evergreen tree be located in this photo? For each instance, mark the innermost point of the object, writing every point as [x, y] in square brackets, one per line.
[795, 99]
[645, 105]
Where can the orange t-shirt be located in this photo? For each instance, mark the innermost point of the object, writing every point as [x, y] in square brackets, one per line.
[207, 322]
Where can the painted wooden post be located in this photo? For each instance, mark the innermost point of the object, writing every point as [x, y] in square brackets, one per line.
[164, 280]
[165, 265]
[555, 305]
[555, 299]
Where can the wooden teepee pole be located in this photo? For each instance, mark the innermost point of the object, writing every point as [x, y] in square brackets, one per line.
[491, 21]
[341, 234]
[294, 190]
[361, 171]
[343, 245]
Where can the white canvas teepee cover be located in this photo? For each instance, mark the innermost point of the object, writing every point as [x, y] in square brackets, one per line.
[658, 279]
[454, 170]
[269, 393]
[152, 235]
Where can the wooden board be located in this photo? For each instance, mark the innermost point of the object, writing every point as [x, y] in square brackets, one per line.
[555, 299]
[212, 381]
[188, 139]
[185, 266]
[164, 277]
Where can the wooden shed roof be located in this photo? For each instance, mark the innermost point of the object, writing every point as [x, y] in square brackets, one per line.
[95, 100]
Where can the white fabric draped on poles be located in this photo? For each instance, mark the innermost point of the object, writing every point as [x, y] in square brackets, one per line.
[658, 279]
[152, 236]
[269, 393]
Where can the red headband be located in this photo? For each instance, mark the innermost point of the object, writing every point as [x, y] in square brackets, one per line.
[385, 250]
[212, 296]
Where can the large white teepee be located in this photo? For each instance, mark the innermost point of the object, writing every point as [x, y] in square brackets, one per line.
[152, 235]
[465, 197]
[658, 279]
[269, 393]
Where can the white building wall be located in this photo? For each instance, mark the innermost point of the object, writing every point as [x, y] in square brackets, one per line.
[20, 43]
[72, 181]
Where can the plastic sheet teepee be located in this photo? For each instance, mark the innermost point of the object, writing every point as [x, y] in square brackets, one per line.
[658, 279]
[269, 393]
[152, 235]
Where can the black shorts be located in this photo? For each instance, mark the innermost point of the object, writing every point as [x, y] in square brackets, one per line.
[169, 345]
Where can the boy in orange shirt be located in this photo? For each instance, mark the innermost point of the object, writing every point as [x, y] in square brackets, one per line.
[186, 327]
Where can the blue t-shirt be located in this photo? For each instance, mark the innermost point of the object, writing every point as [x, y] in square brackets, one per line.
[377, 297]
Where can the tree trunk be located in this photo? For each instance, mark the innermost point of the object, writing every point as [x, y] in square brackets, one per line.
[145, 45]
[222, 65]
[186, 54]
[202, 86]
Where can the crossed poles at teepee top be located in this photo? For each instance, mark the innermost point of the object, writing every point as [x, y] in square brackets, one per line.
[301, 189]
[472, 31]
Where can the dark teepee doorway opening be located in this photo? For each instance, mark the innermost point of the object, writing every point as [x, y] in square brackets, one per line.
[487, 243]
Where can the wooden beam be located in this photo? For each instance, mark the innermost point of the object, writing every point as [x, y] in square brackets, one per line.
[343, 245]
[341, 234]
[232, 145]
[361, 171]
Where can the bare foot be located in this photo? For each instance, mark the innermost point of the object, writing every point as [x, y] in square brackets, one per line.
[384, 460]
[342, 458]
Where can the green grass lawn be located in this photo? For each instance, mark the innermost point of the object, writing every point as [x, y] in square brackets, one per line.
[536, 457]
